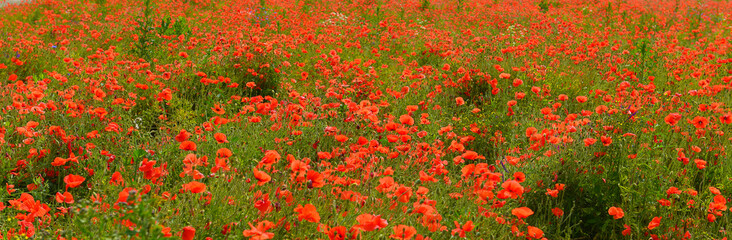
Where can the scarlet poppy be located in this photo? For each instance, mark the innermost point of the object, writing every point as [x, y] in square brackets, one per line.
[535, 232]
[369, 222]
[182, 136]
[654, 223]
[261, 177]
[187, 146]
[616, 212]
[308, 213]
[188, 233]
[403, 232]
[194, 187]
[73, 181]
[700, 122]
[220, 138]
[260, 231]
[672, 118]
[64, 198]
[557, 212]
[406, 120]
[522, 212]
[459, 101]
[341, 138]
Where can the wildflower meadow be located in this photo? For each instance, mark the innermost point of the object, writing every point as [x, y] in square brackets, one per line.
[365, 119]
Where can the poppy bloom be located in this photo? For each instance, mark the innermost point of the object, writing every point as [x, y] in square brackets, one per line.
[218, 109]
[470, 155]
[369, 222]
[616, 212]
[406, 120]
[459, 101]
[188, 233]
[73, 181]
[626, 232]
[261, 177]
[581, 99]
[672, 118]
[194, 187]
[726, 118]
[654, 223]
[535, 232]
[220, 138]
[341, 138]
[182, 136]
[461, 231]
[700, 122]
[557, 212]
[64, 198]
[589, 141]
[308, 213]
[403, 232]
[337, 233]
[260, 231]
[270, 157]
[187, 146]
[522, 212]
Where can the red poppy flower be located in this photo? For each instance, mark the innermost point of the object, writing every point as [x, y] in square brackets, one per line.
[557, 212]
[654, 223]
[341, 138]
[308, 213]
[403, 232]
[672, 118]
[459, 101]
[535, 232]
[64, 198]
[368, 222]
[188, 233]
[700, 122]
[261, 177]
[726, 118]
[616, 212]
[337, 233]
[522, 212]
[182, 136]
[73, 181]
[260, 231]
[406, 120]
[194, 187]
[187, 146]
[220, 138]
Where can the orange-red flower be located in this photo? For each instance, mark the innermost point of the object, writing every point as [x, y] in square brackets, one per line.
[73, 181]
[187, 146]
[522, 212]
[64, 198]
[194, 187]
[188, 233]
[700, 122]
[616, 212]
[462, 230]
[535, 232]
[260, 231]
[368, 222]
[406, 120]
[220, 138]
[403, 232]
[308, 213]
[654, 223]
[261, 177]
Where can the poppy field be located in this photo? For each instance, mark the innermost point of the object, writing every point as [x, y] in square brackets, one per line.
[366, 119]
